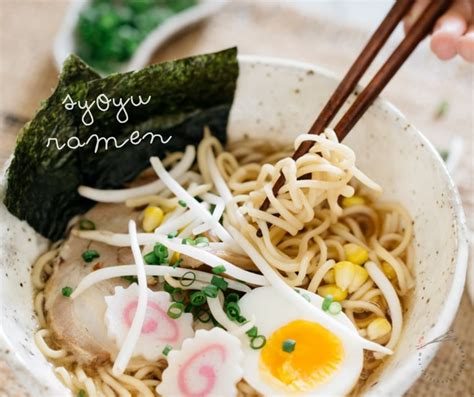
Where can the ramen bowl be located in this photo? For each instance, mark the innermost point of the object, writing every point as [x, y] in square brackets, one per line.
[277, 100]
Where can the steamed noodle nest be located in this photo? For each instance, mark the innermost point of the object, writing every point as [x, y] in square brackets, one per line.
[304, 233]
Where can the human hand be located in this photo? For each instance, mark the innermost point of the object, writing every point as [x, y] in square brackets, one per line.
[454, 31]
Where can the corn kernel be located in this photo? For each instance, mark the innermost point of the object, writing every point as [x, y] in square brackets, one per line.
[331, 289]
[360, 277]
[175, 257]
[354, 200]
[330, 277]
[389, 271]
[378, 328]
[356, 254]
[344, 272]
[152, 218]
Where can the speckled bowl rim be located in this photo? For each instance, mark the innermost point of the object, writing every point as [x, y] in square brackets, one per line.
[404, 376]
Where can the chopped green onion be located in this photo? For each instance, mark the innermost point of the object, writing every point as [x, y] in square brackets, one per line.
[161, 253]
[206, 318]
[252, 332]
[177, 263]
[219, 282]
[182, 203]
[441, 110]
[335, 308]
[167, 349]
[257, 342]
[90, 255]
[189, 308]
[67, 291]
[178, 295]
[86, 224]
[168, 288]
[197, 298]
[188, 241]
[172, 234]
[444, 154]
[201, 241]
[219, 269]
[211, 291]
[327, 302]
[233, 311]
[151, 258]
[189, 281]
[175, 310]
[288, 345]
[131, 279]
[82, 393]
[232, 297]
[241, 319]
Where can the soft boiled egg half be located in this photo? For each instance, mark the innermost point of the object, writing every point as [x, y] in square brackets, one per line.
[301, 356]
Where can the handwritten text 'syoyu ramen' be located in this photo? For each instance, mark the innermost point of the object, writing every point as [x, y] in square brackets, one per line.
[104, 104]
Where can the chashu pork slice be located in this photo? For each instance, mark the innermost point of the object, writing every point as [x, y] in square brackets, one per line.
[78, 325]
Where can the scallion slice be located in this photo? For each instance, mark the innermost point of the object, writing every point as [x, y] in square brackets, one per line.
[201, 241]
[175, 310]
[182, 203]
[219, 269]
[335, 308]
[151, 258]
[232, 310]
[197, 298]
[327, 302]
[167, 349]
[172, 234]
[288, 345]
[211, 291]
[219, 282]
[67, 291]
[90, 255]
[257, 342]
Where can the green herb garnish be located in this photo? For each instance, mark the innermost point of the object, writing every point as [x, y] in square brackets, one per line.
[335, 308]
[66, 291]
[252, 332]
[288, 345]
[257, 342]
[90, 255]
[219, 282]
[211, 291]
[161, 253]
[441, 110]
[172, 234]
[182, 203]
[151, 259]
[327, 302]
[201, 241]
[219, 269]
[167, 349]
[197, 298]
[131, 279]
[82, 393]
[232, 310]
[175, 310]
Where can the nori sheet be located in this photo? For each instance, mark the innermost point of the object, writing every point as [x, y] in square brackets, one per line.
[186, 95]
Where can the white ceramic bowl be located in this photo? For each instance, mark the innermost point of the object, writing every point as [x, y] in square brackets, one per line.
[278, 99]
[65, 42]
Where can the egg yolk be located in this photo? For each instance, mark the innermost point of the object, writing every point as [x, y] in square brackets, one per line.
[316, 356]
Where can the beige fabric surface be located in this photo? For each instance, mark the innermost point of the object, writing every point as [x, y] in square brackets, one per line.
[27, 75]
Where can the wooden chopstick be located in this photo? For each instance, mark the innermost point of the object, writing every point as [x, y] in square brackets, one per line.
[416, 34]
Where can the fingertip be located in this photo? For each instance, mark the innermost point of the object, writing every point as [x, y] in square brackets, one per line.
[465, 47]
[443, 44]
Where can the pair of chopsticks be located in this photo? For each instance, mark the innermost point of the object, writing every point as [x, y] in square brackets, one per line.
[415, 35]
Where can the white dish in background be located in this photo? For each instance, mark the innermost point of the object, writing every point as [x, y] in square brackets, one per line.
[280, 99]
[65, 42]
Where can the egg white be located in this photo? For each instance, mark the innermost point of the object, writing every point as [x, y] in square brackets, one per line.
[271, 311]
